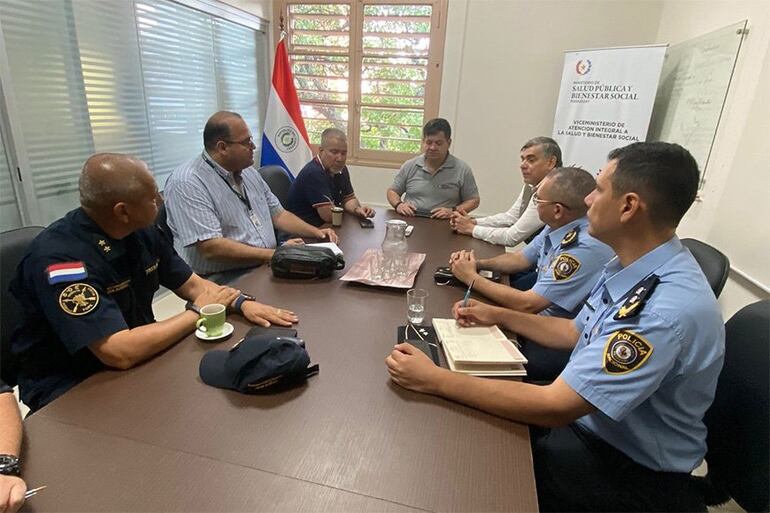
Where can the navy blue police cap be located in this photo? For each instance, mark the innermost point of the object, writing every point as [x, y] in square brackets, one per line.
[258, 364]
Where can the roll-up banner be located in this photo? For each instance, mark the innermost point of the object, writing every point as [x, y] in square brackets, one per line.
[605, 101]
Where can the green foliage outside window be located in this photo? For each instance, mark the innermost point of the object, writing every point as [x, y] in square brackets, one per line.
[393, 71]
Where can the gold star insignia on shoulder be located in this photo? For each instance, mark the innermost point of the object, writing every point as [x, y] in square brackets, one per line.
[107, 249]
[102, 242]
[637, 298]
[570, 238]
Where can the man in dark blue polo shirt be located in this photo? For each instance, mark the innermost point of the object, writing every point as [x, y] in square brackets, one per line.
[87, 281]
[324, 182]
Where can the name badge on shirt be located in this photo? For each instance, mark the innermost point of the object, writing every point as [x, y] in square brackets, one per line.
[254, 219]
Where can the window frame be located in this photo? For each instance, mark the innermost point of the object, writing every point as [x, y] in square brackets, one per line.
[356, 154]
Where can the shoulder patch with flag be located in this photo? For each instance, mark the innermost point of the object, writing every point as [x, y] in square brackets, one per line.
[68, 271]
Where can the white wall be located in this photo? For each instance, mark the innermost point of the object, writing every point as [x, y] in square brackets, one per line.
[261, 8]
[502, 67]
[733, 215]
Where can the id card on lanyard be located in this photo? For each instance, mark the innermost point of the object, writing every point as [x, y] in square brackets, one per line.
[242, 197]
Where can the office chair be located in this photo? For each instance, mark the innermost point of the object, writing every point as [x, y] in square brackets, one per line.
[714, 264]
[162, 223]
[13, 246]
[278, 180]
[738, 447]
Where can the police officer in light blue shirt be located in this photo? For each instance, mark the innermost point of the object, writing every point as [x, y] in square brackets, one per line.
[568, 262]
[626, 330]
[622, 427]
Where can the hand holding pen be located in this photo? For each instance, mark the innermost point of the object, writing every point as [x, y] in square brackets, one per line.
[468, 294]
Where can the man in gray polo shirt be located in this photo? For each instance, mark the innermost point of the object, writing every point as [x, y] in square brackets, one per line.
[434, 183]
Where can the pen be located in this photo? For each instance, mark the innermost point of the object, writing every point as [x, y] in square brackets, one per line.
[33, 492]
[468, 294]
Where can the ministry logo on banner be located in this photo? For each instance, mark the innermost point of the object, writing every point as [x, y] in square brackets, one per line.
[605, 101]
[583, 66]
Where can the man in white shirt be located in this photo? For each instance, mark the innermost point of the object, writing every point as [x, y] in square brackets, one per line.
[538, 157]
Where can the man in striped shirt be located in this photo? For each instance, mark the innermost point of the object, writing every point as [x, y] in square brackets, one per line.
[222, 213]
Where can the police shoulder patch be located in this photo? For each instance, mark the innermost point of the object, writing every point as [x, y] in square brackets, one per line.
[78, 299]
[565, 266]
[625, 352]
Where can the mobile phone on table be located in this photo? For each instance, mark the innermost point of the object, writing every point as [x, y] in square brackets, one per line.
[366, 223]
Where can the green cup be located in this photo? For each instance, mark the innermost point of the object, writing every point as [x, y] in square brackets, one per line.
[212, 320]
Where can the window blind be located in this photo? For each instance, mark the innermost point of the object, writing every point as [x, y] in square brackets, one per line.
[138, 77]
[47, 84]
[241, 89]
[9, 212]
[177, 52]
[112, 76]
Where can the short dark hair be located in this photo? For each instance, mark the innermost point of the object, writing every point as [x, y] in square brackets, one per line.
[549, 146]
[435, 126]
[665, 175]
[217, 129]
[570, 186]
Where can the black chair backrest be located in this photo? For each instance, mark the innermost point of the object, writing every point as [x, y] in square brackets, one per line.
[162, 222]
[13, 247]
[278, 180]
[714, 264]
[738, 437]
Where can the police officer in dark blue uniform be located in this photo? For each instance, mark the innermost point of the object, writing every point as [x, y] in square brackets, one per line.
[87, 282]
[621, 428]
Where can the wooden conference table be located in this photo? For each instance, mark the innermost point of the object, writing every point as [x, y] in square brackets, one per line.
[155, 438]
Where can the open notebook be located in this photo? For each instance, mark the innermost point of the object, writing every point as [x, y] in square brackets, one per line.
[479, 350]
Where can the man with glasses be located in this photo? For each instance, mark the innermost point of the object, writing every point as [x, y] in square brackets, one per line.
[538, 157]
[621, 428]
[221, 212]
[565, 258]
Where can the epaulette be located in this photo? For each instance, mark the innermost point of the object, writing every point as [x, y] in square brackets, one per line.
[637, 298]
[570, 238]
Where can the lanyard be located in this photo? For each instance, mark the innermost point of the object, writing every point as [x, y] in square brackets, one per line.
[243, 197]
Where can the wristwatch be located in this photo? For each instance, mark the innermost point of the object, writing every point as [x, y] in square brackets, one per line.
[9, 465]
[192, 306]
[239, 301]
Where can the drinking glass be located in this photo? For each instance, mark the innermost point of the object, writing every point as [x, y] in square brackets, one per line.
[416, 300]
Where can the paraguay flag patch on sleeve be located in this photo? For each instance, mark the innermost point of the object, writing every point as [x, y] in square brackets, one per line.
[68, 271]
